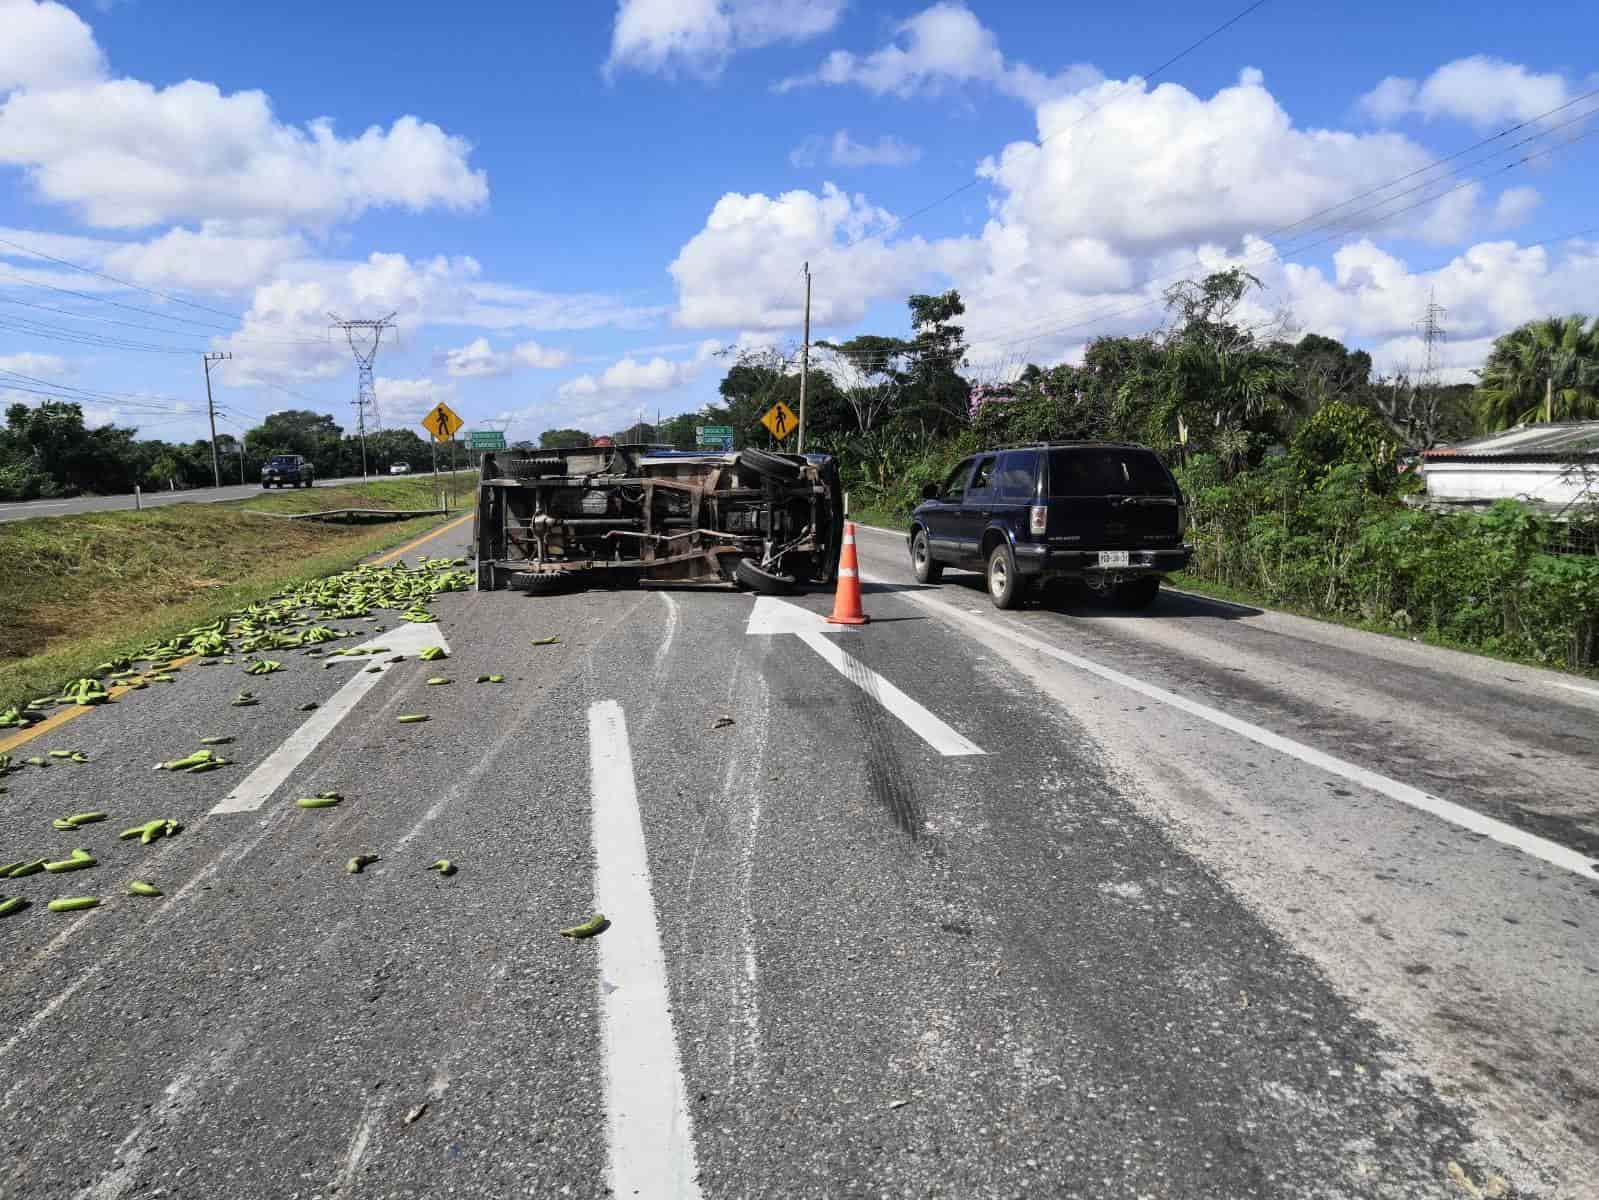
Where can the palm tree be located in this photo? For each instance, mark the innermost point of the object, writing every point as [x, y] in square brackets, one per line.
[1194, 383]
[1545, 370]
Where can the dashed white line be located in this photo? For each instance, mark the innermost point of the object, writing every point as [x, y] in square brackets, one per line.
[651, 1135]
[270, 775]
[1572, 687]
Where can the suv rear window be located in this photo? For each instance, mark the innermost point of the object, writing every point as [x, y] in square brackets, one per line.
[1107, 471]
[1014, 479]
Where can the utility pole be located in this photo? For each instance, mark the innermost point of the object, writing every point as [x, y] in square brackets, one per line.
[208, 358]
[364, 338]
[805, 357]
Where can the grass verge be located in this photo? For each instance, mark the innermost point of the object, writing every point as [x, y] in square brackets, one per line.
[1222, 591]
[81, 589]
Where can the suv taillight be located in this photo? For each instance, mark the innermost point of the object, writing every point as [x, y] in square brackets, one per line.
[1037, 519]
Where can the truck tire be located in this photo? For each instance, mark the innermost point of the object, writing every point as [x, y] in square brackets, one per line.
[771, 466]
[749, 573]
[544, 583]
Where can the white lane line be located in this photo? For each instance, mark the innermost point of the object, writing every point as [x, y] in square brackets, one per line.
[260, 783]
[651, 1135]
[1456, 814]
[911, 714]
[1586, 691]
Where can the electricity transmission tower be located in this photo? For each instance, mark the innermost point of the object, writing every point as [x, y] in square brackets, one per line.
[364, 338]
[1432, 333]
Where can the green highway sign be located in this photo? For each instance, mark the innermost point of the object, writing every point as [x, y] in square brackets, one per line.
[485, 439]
[713, 433]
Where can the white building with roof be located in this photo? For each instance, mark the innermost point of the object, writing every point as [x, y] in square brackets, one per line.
[1551, 466]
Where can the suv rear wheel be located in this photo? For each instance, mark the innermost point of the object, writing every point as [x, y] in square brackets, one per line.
[922, 564]
[1137, 593]
[1004, 585]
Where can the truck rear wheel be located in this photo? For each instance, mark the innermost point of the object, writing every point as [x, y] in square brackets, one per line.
[766, 582]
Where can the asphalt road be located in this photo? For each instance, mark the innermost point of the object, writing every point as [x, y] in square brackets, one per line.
[917, 909]
[85, 504]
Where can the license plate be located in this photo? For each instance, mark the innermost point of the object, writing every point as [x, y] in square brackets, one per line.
[1113, 558]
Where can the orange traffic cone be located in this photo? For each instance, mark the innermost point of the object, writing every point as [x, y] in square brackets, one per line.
[847, 603]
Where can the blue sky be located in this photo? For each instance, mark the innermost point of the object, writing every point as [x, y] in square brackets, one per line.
[573, 208]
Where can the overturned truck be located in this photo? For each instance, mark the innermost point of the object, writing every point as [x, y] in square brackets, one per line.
[550, 520]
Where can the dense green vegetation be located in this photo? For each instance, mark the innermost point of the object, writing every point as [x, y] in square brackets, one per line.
[46, 450]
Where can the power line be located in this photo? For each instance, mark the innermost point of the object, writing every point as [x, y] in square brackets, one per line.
[1344, 223]
[901, 222]
[114, 279]
[1282, 255]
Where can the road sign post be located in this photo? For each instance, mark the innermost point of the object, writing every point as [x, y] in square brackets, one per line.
[780, 421]
[442, 422]
[711, 436]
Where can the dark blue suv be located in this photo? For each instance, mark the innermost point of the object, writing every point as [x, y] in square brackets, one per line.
[1105, 513]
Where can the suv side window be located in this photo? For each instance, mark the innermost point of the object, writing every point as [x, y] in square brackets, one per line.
[1016, 478]
[951, 491]
[982, 477]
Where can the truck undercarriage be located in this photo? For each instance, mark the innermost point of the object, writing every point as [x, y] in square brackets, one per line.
[549, 520]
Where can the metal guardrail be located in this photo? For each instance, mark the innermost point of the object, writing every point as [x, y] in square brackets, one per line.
[396, 514]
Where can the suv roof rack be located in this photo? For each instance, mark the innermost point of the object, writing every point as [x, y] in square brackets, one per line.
[1052, 445]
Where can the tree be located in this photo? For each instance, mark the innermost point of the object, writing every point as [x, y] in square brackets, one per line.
[1545, 370]
[938, 394]
[561, 439]
[1204, 307]
[867, 372]
[312, 435]
[641, 434]
[1207, 382]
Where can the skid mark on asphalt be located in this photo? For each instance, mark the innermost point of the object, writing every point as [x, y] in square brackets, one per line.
[356, 1151]
[176, 1097]
[651, 1135]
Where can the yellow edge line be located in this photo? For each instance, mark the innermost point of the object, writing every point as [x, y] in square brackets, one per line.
[426, 537]
[56, 720]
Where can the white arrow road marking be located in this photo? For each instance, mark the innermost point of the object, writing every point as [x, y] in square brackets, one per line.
[650, 1132]
[774, 616]
[254, 791]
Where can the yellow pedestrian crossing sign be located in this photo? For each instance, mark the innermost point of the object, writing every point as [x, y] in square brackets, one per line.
[780, 420]
[442, 422]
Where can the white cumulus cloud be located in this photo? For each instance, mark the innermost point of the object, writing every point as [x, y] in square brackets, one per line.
[1481, 90]
[630, 375]
[699, 36]
[940, 46]
[743, 268]
[125, 155]
[45, 45]
[404, 402]
[478, 359]
[841, 150]
[47, 366]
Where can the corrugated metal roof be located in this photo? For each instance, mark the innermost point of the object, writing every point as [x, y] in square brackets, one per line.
[1553, 442]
